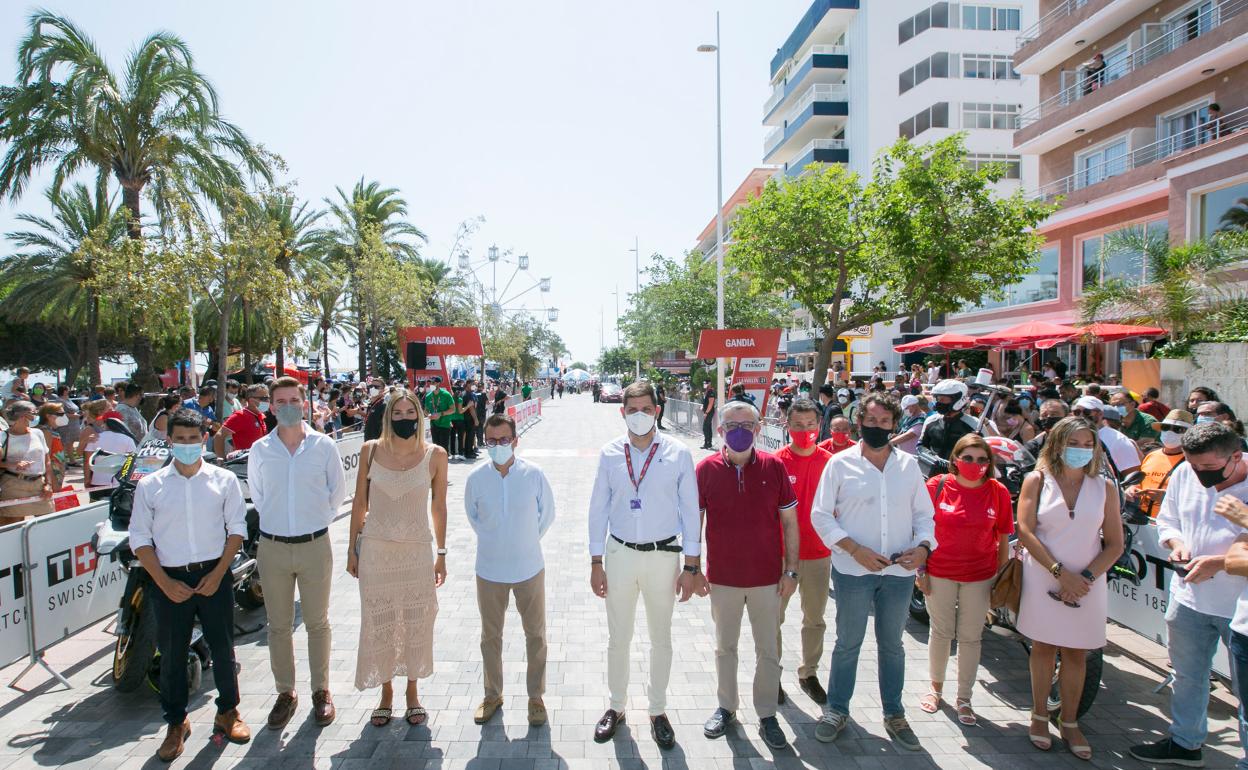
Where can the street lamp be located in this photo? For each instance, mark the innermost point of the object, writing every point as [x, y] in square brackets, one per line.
[719, 210]
[637, 286]
[493, 252]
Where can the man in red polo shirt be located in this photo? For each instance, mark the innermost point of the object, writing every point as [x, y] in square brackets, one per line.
[840, 440]
[750, 514]
[804, 462]
[245, 426]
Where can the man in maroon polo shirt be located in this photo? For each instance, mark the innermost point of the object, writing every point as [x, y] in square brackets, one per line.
[750, 514]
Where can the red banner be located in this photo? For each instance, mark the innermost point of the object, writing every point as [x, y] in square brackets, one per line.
[753, 353]
[440, 342]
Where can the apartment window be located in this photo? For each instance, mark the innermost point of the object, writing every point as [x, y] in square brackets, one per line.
[1102, 163]
[985, 66]
[1100, 265]
[986, 17]
[1181, 129]
[936, 16]
[935, 66]
[1041, 285]
[936, 116]
[982, 115]
[1013, 163]
[1225, 209]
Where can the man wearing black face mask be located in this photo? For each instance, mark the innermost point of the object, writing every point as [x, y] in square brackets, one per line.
[1051, 412]
[943, 429]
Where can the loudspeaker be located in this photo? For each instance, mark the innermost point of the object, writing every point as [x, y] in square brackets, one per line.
[416, 355]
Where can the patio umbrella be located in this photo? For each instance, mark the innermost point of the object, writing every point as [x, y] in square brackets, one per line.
[1107, 332]
[1038, 335]
[941, 343]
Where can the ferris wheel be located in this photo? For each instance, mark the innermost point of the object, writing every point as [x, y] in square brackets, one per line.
[519, 292]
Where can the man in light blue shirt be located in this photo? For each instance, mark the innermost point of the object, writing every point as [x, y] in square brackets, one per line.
[510, 506]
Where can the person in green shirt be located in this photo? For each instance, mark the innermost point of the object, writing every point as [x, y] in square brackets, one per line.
[1136, 425]
[457, 424]
[526, 390]
[440, 405]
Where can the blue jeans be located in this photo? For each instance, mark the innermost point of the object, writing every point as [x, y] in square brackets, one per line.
[1239, 671]
[888, 596]
[1193, 640]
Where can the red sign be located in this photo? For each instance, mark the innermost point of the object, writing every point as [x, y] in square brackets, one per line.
[753, 353]
[440, 342]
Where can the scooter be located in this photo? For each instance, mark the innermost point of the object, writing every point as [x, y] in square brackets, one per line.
[135, 656]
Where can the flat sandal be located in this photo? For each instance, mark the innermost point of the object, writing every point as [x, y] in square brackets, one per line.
[966, 715]
[380, 717]
[930, 703]
[416, 715]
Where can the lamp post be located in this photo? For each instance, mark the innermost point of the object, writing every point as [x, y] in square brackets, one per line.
[637, 286]
[719, 210]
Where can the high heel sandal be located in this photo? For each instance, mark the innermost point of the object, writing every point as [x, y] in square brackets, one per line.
[1042, 742]
[1082, 752]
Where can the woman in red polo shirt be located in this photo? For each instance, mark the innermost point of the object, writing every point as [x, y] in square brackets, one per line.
[974, 519]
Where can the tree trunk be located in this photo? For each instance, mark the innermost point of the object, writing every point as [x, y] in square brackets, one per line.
[142, 349]
[822, 356]
[375, 341]
[223, 351]
[325, 350]
[247, 378]
[361, 333]
[92, 337]
[279, 357]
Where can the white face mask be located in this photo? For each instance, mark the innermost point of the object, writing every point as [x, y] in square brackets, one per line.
[61, 421]
[263, 407]
[842, 399]
[375, 392]
[1170, 439]
[639, 423]
[500, 454]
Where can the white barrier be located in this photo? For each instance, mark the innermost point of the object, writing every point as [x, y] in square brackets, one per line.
[525, 413]
[771, 437]
[14, 612]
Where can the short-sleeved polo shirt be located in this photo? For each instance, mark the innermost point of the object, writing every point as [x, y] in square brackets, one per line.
[744, 538]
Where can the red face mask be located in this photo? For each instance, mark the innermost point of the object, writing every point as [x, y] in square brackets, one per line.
[840, 438]
[803, 439]
[971, 471]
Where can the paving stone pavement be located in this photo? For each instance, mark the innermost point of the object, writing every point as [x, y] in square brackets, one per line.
[92, 726]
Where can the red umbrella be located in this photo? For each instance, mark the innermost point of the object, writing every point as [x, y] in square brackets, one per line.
[1029, 334]
[938, 344]
[1106, 332]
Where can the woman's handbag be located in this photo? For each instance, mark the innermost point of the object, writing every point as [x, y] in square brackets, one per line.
[1007, 589]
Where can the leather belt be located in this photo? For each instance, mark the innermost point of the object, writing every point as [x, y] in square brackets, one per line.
[294, 538]
[195, 567]
[667, 545]
[23, 476]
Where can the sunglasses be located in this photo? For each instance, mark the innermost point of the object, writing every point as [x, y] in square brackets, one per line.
[975, 460]
[1055, 597]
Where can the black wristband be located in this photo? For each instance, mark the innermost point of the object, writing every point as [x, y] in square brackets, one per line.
[692, 569]
[1087, 573]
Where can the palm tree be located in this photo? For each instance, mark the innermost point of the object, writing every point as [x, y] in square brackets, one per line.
[381, 207]
[53, 282]
[1186, 288]
[155, 123]
[1235, 219]
[449, 302]
[300, 242]
[326, 306]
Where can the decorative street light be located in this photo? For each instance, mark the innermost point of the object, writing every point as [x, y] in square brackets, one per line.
[493, 252]
[524, 261]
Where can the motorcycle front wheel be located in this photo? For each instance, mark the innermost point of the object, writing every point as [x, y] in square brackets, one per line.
[135, 650]
[250, 595]
[1091, 683]
[918, 607]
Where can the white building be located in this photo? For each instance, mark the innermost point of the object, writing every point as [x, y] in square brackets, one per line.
[855, 75]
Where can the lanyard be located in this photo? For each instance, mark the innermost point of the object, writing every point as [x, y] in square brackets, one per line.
[628, 459]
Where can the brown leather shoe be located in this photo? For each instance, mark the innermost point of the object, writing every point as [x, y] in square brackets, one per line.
[175, 741]
[232, 727]
[323, 708]
[283, 710]
[605, 729]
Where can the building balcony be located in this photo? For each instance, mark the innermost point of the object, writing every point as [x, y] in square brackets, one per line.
[822, 111]
[1142, 164]
[817, 151]
[821, 64]
[823, 23]
[1172, 59]
[1067, 28]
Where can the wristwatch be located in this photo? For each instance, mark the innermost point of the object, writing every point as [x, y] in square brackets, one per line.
[692, 569]
[1087, 573]
[1056, 569]
[441, 552]
[790, 574]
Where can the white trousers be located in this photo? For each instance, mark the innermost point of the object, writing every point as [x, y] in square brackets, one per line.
[652, 576]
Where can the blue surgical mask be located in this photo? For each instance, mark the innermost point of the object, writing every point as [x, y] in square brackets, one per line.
[500, 454]
[1077, 457]
[1202, 419]
[187, 454]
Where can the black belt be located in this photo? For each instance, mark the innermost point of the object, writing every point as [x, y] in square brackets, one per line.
[195, 567]
[23, 476]
[295, 538]
[659, 545]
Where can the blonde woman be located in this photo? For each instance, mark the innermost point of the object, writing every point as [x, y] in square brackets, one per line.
[399, 475]
[1068, 520]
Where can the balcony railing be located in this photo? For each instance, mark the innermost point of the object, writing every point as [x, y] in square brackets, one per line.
[1207, 131]
[774, 137]
[1046, 22]
[821, 92]
[779, 90]
[1161, 40]
[821, 144]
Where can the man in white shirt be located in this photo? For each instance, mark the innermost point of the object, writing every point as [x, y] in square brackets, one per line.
[297, 483]
[645, 498]
[1122, 450]
[187, 521]
[1203, 595]
[129, 408]
[873, 510]
[510, 506]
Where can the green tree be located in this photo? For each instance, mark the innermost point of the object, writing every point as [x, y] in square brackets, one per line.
[52, 281]
[926, 231]
[579, 365]
[157, 123]
[678, 301]
[325, 306]
[1186, 293]
[301, 245]
[616, 360]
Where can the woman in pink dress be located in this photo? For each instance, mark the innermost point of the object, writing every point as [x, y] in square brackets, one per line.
[1068, 520]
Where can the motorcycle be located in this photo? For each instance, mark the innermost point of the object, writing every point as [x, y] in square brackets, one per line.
[136, 658]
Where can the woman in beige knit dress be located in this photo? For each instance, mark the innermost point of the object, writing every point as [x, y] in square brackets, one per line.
[392, 556]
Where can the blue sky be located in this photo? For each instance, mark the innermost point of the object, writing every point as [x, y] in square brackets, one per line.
[570, 126]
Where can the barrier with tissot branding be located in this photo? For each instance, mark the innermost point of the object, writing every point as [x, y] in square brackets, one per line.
[439, 342]
[753, 353]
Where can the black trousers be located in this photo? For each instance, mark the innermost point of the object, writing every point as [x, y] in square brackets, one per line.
[453, 438]
[659, 421]
[174, 623]
[441, 436]
[467, 435]
[708, 425]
